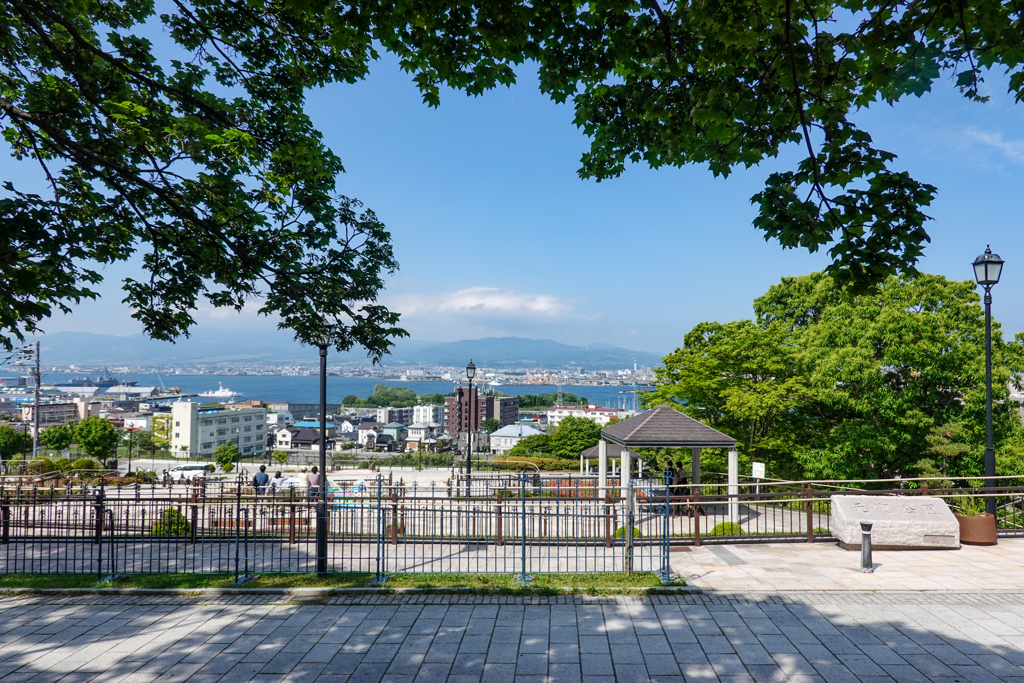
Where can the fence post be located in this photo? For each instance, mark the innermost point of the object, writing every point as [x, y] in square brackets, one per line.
[696, 515]
[665, 567]
[6, 519]
[607, 518]
[380, 523]
[195, 515]
[291, 518]
[524, 578]
[810, 516]
[394, 517]
[99, 515]
[629, 521]
[498, 525]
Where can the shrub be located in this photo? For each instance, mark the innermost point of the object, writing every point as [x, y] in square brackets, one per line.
[545, 464]
[85, 464]
[621, 532]
[42, 466]
[821, 530]
[727, 529]
[172, 523]
[64, 464]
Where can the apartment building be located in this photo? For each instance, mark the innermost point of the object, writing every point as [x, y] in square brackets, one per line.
[51, 413]
[457, 418]
[602, 416]
[427, 414]
[198, 431]
[401, 415]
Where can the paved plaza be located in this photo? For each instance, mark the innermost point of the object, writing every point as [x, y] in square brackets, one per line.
[881, 633]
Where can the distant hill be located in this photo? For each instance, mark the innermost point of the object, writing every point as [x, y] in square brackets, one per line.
[276, 348]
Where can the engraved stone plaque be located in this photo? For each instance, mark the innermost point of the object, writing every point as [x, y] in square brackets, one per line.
[897, 521]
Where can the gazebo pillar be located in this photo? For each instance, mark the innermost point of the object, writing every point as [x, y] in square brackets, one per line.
[695, 465]
[627, 466]
[602, 464]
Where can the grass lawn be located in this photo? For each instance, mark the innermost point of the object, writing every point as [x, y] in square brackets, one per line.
[639, 581]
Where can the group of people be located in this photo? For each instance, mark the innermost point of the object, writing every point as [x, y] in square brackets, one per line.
[264, 484]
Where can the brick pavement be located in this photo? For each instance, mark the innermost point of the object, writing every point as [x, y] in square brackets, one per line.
[784, 636]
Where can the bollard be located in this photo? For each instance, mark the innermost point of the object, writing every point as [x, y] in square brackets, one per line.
[865, 548]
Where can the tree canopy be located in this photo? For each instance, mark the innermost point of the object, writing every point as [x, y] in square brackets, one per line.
[13, 441]
[383, 396]
[196, 154]
[729, 85]
[97, 437]
[828, 384]
[573, 436]
[58, 437]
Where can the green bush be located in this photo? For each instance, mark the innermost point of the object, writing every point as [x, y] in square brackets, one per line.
[621, 532]
[172, 523]
[64, 464]
[727, 529]
[821, 530]
[545, 464]
[85, 464]
[42, 466]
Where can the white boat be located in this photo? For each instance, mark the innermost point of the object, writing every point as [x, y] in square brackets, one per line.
[220, 393]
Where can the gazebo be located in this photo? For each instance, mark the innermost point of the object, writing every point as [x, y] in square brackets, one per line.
[665, 427]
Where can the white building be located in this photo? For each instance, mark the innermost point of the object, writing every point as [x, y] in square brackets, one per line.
[602, 416]
[505, 439]
[428, 414]
[400, 415]
[199, 431]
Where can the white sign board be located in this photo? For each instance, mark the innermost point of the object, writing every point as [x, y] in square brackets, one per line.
[758, 470]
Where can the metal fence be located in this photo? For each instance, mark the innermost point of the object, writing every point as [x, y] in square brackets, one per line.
[513, 523]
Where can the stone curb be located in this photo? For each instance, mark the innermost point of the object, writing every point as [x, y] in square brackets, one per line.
[307, 592]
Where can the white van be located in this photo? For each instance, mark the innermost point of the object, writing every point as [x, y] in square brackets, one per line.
[188, 472]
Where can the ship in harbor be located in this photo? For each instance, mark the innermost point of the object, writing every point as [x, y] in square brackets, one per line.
[106, 381]
[222, 392]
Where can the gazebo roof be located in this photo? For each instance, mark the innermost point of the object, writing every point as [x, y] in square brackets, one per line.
[665, 427]
[614, 451]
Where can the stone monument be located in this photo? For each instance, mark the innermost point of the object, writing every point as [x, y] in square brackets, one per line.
[899, 522]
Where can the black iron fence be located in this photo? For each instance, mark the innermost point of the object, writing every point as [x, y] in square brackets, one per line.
[515, 523]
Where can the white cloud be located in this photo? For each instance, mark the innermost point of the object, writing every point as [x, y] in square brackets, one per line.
[1011, 149]
[484, 301]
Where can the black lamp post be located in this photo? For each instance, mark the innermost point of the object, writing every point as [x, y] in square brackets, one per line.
[321, 501]
[987, 269]
[470, 373]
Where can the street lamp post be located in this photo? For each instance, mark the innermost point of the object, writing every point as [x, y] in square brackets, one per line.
[987, 269]
[321, 503]
[470, 373]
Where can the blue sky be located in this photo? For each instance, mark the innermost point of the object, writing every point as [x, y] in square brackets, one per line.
[496, 234]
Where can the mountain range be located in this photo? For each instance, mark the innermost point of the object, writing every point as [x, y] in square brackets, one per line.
[206, 347]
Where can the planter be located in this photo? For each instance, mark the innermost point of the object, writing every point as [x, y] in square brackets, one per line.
[977, 530]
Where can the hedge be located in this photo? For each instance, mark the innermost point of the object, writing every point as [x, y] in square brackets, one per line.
[727, 529]
[545, 464]
[85, 464]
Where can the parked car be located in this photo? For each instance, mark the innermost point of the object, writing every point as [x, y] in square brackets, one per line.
[187, 472]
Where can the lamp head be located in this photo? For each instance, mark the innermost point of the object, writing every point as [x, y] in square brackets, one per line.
[987, 268]
[470, 369]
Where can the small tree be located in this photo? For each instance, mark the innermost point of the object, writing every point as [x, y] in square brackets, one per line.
[97, 437]
[281, 457]
[13, 441]
[490, 425]
[226, 456]
[172, 523]
[58, 437]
